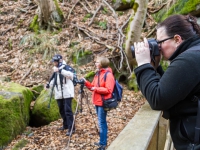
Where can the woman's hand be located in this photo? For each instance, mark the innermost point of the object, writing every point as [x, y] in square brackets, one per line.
[142, 52]
[93, 88]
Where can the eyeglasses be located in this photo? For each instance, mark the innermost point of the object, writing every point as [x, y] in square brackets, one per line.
[159, 42]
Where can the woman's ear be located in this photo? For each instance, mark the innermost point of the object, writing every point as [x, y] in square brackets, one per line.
[178, 39]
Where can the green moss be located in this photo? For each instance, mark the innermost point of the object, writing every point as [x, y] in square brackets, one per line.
[20, 144]
[124, 2]
[135, 6]
[14, 110]
[36, 90]
[89, 76]
[35, 24]
[132, 2]
[42, 114]
[180, 7]
[59, 10]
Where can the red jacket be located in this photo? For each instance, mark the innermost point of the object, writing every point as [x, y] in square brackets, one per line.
[105, 89]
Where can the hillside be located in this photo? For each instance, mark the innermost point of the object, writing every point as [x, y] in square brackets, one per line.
[25, 58]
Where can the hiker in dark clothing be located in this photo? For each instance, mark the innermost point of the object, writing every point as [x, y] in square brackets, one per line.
[64, 92]
[176, 90]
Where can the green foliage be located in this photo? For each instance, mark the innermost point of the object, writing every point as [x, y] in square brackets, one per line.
[103, 24]
[105, 10]
[20, 144]
[164, 64]
[132, 83]
[120, 13]
[89, 76]
[43, 43]
[114, 1]
[86, 17]
[35, 24]
[72, 44]
[7, 79]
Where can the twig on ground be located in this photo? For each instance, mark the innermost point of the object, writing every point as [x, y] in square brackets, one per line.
[72, 9]
[26, 74]
[95, 14]
[85, 7]
[88, 4]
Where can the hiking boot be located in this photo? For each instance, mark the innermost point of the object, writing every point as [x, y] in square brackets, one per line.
[61, 129]
[102, 147]
[68, 132]
[97, 144]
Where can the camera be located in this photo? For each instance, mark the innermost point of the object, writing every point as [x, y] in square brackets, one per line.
[81, 82]
[153, 47]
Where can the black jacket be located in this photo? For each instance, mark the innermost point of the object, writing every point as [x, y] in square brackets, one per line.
[174, 91]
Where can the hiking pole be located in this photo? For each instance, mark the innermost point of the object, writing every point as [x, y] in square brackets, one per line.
[55, 78]
[79, 99]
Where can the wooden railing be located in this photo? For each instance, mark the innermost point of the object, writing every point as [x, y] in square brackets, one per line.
[147, 130]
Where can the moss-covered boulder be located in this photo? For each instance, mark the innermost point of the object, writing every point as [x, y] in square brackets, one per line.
[14, 110]
[120, 5]
[43, 113]
[179, 7]
[36, 90]
[82, 57]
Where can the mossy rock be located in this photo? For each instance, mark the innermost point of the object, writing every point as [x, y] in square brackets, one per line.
[42, 114]
[180, 7]
[36, 90]
[82, 57]
[14, 110]
[120, 5]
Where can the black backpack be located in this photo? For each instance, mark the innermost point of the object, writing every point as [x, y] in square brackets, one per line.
[69, 68]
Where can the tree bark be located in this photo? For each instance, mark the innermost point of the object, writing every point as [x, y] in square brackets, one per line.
[135, 27]
[48, 13]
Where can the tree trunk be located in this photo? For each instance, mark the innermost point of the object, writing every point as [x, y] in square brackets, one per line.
[135, 27]
[49, 13]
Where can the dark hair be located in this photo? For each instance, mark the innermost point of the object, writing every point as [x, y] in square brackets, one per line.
[185, 26]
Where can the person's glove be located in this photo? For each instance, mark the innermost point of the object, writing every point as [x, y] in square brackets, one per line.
[47, 85]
